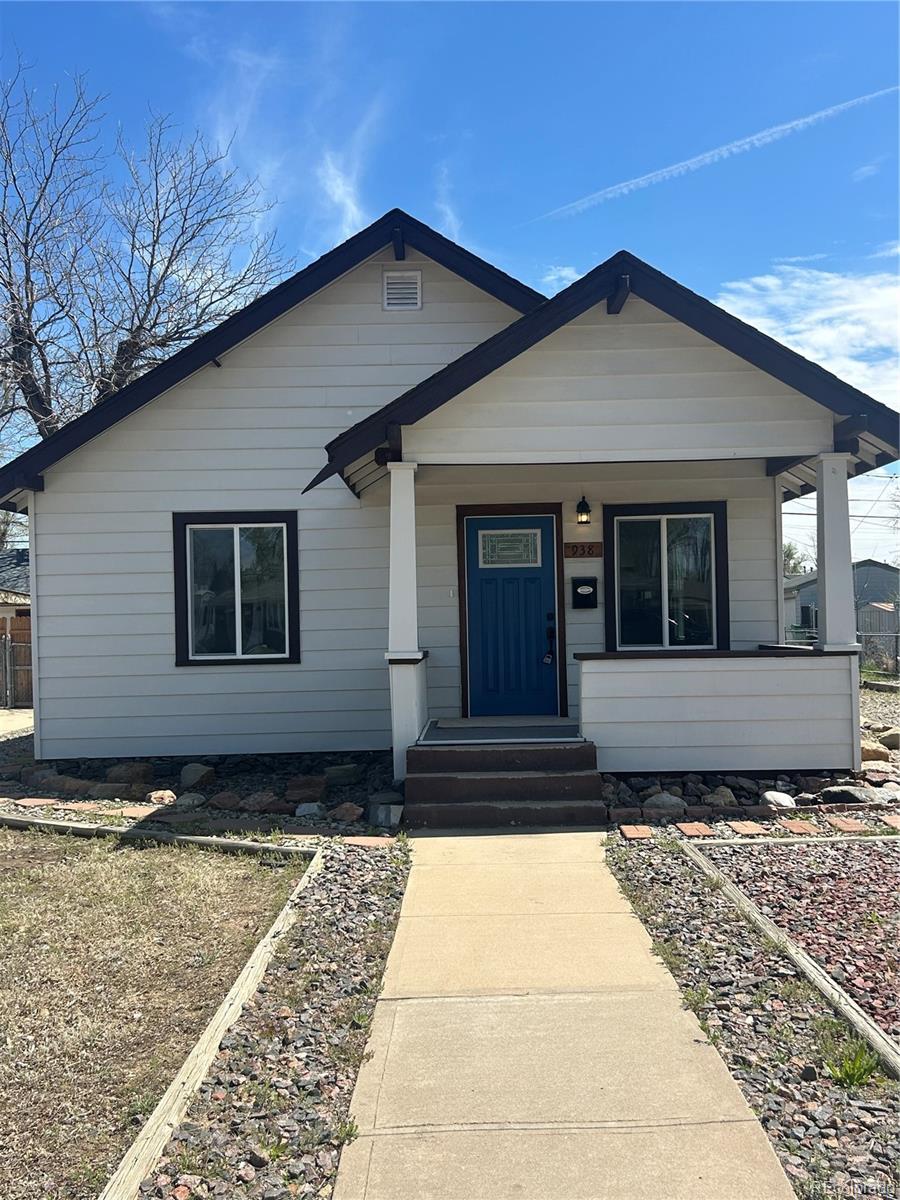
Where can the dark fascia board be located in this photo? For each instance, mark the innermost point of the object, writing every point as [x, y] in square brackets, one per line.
[261, 312]
[603, 282]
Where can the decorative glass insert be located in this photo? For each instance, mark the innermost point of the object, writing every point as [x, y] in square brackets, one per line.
[509, 548]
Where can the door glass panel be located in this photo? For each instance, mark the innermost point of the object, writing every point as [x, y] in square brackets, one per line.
[689, 565]
[640, 583]
[509, 548]
[212, 591]
[263, 603]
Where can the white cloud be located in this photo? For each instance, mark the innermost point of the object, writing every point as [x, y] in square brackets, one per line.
[340, 184]
[867, 170]
[450, 222]
[848, 323]
[339, 173]
[801, 258]
[557, 278]
[887, 250]
[754, 142]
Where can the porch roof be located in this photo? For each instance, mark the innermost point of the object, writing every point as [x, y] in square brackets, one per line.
[869, 431]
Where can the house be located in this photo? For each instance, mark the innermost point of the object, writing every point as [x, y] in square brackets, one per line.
[403, 496]
[873, 583]
[15, 586]
[15, 629]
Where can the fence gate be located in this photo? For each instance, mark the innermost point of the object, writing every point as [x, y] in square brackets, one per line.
[15, 663]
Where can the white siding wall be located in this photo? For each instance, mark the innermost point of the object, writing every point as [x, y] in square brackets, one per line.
[742, 714]
[637, 386]
[248, 436]
[751, 546]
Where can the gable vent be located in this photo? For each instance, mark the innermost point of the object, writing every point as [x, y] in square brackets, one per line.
[402, 289]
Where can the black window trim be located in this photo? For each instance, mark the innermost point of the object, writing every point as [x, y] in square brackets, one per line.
[719, 511]
[180, 523]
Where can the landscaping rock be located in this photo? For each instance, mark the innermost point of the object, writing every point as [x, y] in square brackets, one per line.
[130, 772]
[776, 801]
[197, 775]
[189, 800]
[266, 1122]
[766, 1023]
[267, 802]
[314, 812]
[230, 801]
[346, 812]
[848, 794]
[305, 789]
[664, 805]
[723, 797]
[115, 791]
[385, 816]
[342, 774]
[874, 751]
[891, 739]
[161, 796]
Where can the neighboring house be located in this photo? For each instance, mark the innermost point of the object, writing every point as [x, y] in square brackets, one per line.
[15, 629]
[403, 486]
[873, 583]
[15, 586]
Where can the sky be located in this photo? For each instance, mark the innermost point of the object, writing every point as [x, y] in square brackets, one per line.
[749, 150]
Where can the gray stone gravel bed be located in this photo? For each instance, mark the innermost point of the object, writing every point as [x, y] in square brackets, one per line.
[878, 708]
[271, 1117]
[840, 903]
[775, 1032]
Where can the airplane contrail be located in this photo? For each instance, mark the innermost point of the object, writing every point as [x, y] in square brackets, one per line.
[773, 134]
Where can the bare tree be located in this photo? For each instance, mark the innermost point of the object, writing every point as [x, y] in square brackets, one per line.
[111, 262]
[796, 560]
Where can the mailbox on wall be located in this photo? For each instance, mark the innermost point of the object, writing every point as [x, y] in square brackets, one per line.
[584, 591]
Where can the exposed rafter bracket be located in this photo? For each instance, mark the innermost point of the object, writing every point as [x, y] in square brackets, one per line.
[845, 439]
[393, 451]
[399, 244]
[778, 466]
[616, 302]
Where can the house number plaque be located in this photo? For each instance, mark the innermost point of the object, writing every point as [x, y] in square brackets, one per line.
[583, 549]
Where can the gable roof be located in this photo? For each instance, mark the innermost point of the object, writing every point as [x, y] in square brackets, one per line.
[395, 228]
[612, 281]
[14, 573]
[799, 581]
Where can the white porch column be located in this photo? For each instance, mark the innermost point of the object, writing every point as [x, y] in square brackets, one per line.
[406, 662]
[403, 612]
[837, 612]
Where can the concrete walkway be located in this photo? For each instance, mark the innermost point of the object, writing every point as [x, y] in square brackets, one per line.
[529, 1046]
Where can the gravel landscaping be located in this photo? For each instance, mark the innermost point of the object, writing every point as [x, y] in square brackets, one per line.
[840, 902]
[832, 1118]
[271, 1117]
[112, 961]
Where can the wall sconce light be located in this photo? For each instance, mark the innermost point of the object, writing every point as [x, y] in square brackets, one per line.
[583, 512]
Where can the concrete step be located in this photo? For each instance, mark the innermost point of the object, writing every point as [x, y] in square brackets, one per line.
[507, 756]
[497, 813]
[493, 786]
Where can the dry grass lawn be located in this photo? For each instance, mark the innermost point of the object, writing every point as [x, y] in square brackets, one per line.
[112, 960]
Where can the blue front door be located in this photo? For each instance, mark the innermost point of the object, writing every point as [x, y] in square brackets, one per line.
[511, 616]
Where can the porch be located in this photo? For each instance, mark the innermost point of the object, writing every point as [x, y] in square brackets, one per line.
[742, 703]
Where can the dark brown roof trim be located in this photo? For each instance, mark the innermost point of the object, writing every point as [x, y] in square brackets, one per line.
[395, 227]
[605, 282]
